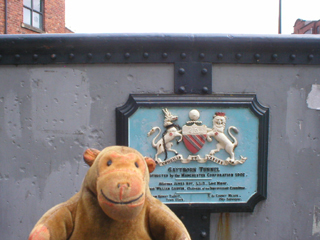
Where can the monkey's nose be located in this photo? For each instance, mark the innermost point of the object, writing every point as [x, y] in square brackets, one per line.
[124, 189]
[125, 185]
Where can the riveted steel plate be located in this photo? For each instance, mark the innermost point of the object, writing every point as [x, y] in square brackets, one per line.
[193, 77]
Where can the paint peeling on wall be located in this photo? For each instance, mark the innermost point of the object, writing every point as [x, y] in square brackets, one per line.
[313, 99]
[56, 89]
[316, 221]
[12, 115]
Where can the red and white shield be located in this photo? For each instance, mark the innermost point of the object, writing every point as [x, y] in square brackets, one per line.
[194, 137]
[194, 142]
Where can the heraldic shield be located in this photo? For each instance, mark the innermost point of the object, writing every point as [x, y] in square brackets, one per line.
[193, 141]
[194, 135]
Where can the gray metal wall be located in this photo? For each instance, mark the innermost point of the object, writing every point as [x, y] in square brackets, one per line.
[292, 208]
[49, 114]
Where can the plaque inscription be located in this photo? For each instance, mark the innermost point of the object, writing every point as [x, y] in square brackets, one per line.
[183, 184]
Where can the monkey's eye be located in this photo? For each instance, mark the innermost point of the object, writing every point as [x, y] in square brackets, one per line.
[109, 163]
[136, 164]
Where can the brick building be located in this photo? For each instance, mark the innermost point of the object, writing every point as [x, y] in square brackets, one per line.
[306, 27]
[32, 16]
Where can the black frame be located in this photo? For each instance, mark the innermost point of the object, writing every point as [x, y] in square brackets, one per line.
[32, 10]
[217, 100]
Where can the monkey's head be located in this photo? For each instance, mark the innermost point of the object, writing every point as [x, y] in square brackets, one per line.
[120, 179]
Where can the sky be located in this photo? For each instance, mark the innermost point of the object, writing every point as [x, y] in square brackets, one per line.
[186, 16]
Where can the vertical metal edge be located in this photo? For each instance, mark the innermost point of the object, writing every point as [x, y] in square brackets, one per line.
[122, 116]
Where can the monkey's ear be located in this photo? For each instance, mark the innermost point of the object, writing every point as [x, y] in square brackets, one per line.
[90, 155]
[151, 164]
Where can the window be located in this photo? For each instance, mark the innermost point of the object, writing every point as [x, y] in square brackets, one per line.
[33, 13]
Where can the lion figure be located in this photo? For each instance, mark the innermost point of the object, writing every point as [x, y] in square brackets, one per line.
[219, 124]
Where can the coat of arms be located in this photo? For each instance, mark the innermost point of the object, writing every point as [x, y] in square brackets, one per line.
[194, 136]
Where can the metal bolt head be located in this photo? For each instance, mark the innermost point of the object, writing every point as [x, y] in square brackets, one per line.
[238, 56]
[204, 71]
[89, 55]
[257, 56]
[17, 56]
[220, 56]
[310, 56]
[205, 90]
[71, 56]
[292, 56]
[108, 55]
[53, 56]
[35, 56]
[202, 55]
[274, 56]
[181, 71]
[164, 55]
[182, 89]
[183, 55]
[127, 55]
[203, 234]
[0, 56]
[145, 55]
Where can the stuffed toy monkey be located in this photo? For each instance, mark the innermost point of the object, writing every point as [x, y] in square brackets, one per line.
[114, 203]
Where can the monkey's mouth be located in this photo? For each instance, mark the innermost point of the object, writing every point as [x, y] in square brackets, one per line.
[122, 203]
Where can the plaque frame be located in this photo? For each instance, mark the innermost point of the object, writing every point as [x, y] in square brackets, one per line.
[249, 101]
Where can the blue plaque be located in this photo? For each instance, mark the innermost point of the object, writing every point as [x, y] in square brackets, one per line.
[211, 152]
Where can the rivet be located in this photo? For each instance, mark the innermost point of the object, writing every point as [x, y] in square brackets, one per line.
[310, 56]
[17, 56]
[164, 55]
[89, 55]
[257, 56]
[181, 71]
[35, 56]
[274, 56]
[145, 55]
[108, 55]
[182, 89]
[127, 55]
[183, 55]
[53, 56]
[205, 90]
[238, 56]
[220, 56]
[0, 56]
[292, 56]
[71, 56]
[203, 234]
[204, 71]
[204, 217]
[181, 217]
[202, 55]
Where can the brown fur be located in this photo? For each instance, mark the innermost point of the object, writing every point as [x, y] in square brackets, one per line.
[89, 215]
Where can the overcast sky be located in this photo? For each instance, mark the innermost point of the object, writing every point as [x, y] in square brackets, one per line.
[185, 16]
